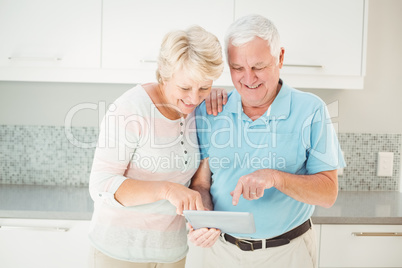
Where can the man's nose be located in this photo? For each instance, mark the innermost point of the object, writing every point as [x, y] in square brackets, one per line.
[249, 77]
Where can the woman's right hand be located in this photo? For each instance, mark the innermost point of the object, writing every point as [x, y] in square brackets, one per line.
[216, 100]
[183, 198]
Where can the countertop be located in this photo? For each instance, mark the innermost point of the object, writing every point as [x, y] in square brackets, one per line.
[45, 202]
[362, 207]
[74, 203]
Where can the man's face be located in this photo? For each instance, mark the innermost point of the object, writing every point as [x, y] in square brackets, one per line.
[255, 73]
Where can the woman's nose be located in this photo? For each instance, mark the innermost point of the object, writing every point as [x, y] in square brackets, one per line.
[194, 97]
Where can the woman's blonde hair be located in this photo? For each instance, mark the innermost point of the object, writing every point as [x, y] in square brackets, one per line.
[194, 50]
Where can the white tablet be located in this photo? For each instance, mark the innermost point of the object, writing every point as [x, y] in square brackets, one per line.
[226, 221]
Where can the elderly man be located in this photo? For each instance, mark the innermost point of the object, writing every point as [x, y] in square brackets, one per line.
[272, 151]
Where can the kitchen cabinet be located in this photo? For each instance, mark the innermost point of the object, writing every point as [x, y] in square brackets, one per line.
[324, 40]
[360, 246]
[46, 40]
[133, 31]
[117, 41]
[43, 243]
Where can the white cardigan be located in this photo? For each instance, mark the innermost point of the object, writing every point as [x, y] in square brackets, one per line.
[136, 141]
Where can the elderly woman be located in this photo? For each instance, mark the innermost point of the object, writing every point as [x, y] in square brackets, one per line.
[146, 155]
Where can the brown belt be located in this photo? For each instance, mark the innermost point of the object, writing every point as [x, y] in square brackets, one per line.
[283, 239]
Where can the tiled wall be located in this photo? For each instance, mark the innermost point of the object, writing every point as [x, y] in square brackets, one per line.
[43, 155]
[361, 152]
[48, 155]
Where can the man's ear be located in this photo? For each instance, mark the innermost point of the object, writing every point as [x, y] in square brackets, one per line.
[281, 57]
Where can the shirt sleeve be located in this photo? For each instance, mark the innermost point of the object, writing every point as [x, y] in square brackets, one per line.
[119, 136]
[323, 149]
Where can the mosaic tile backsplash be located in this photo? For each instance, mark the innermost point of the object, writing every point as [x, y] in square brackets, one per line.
[43, 155]
[361, 153]
[49, 155]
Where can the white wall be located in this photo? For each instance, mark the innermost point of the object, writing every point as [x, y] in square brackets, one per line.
[25, 103]
[376, 109]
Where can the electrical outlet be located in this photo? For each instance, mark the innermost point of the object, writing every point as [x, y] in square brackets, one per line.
[385, 164]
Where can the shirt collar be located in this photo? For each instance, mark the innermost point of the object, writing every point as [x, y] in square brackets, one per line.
[281, 105]
[279, 109]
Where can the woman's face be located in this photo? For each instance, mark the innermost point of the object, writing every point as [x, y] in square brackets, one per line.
[185, 94]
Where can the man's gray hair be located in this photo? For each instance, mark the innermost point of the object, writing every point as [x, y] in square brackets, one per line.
[246, 28]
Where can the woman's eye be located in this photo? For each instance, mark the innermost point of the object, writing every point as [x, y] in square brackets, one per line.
[184, 88]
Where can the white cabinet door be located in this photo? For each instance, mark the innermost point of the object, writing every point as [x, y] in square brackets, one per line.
[361, 246]
[43, 243]
[322, 38]
[133, 30]
[50, 33]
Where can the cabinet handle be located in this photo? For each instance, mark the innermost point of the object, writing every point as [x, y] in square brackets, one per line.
[36, 58]
[376, 234]
[303, 65]
[148, 61]
[35, 228]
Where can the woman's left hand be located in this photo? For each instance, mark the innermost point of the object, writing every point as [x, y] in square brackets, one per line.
[215, 100]
[203, 237]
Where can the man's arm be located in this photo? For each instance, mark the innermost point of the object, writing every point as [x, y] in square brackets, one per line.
[201, 182]
[318, 189]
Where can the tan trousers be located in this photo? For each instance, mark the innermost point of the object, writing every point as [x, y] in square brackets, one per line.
[99, 260]
[301, 252]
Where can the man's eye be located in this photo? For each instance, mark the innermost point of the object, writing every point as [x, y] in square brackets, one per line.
[184, 88]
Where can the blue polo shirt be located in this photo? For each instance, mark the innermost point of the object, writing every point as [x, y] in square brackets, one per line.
[295, 135]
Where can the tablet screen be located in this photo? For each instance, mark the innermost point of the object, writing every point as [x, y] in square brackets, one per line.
[226, 221]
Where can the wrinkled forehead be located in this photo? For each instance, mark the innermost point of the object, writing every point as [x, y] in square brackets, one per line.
[255, 53]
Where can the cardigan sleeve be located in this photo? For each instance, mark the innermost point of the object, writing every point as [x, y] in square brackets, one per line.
[119, 136]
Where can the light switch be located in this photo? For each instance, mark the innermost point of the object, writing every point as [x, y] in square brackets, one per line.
[385, 164]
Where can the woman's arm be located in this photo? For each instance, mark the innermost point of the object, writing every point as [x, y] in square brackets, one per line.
[135, 192]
